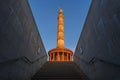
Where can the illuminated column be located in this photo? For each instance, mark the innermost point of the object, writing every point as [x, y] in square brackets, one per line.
[49, 57]
[60, 53]
[70, 57]
[60, 37]
[67, 56]
[53, 56]
[62, 56]
[58, 56]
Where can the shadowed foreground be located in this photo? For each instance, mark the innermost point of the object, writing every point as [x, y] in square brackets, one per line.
[59, 71]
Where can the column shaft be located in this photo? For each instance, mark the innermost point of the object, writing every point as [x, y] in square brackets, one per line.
[67, 56]
[50, 57]
[62, 56]
[53, 56]
[70, 57]
[58, 56]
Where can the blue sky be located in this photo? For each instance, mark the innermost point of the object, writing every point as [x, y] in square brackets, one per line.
[45, 13]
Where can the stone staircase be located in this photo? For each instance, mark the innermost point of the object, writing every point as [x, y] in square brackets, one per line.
[59, 71]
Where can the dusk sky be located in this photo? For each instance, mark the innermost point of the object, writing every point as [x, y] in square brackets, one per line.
[45, 13]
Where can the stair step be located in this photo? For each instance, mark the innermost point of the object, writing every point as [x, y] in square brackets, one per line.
[59, 71]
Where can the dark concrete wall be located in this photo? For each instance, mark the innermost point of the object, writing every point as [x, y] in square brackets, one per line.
[98, 49]
[22, 52]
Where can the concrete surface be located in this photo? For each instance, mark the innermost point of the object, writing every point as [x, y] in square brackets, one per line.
[98, 49]
[22, 51]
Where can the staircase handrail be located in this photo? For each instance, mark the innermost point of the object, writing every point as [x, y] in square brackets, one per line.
[94, 59]
[24, 58]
